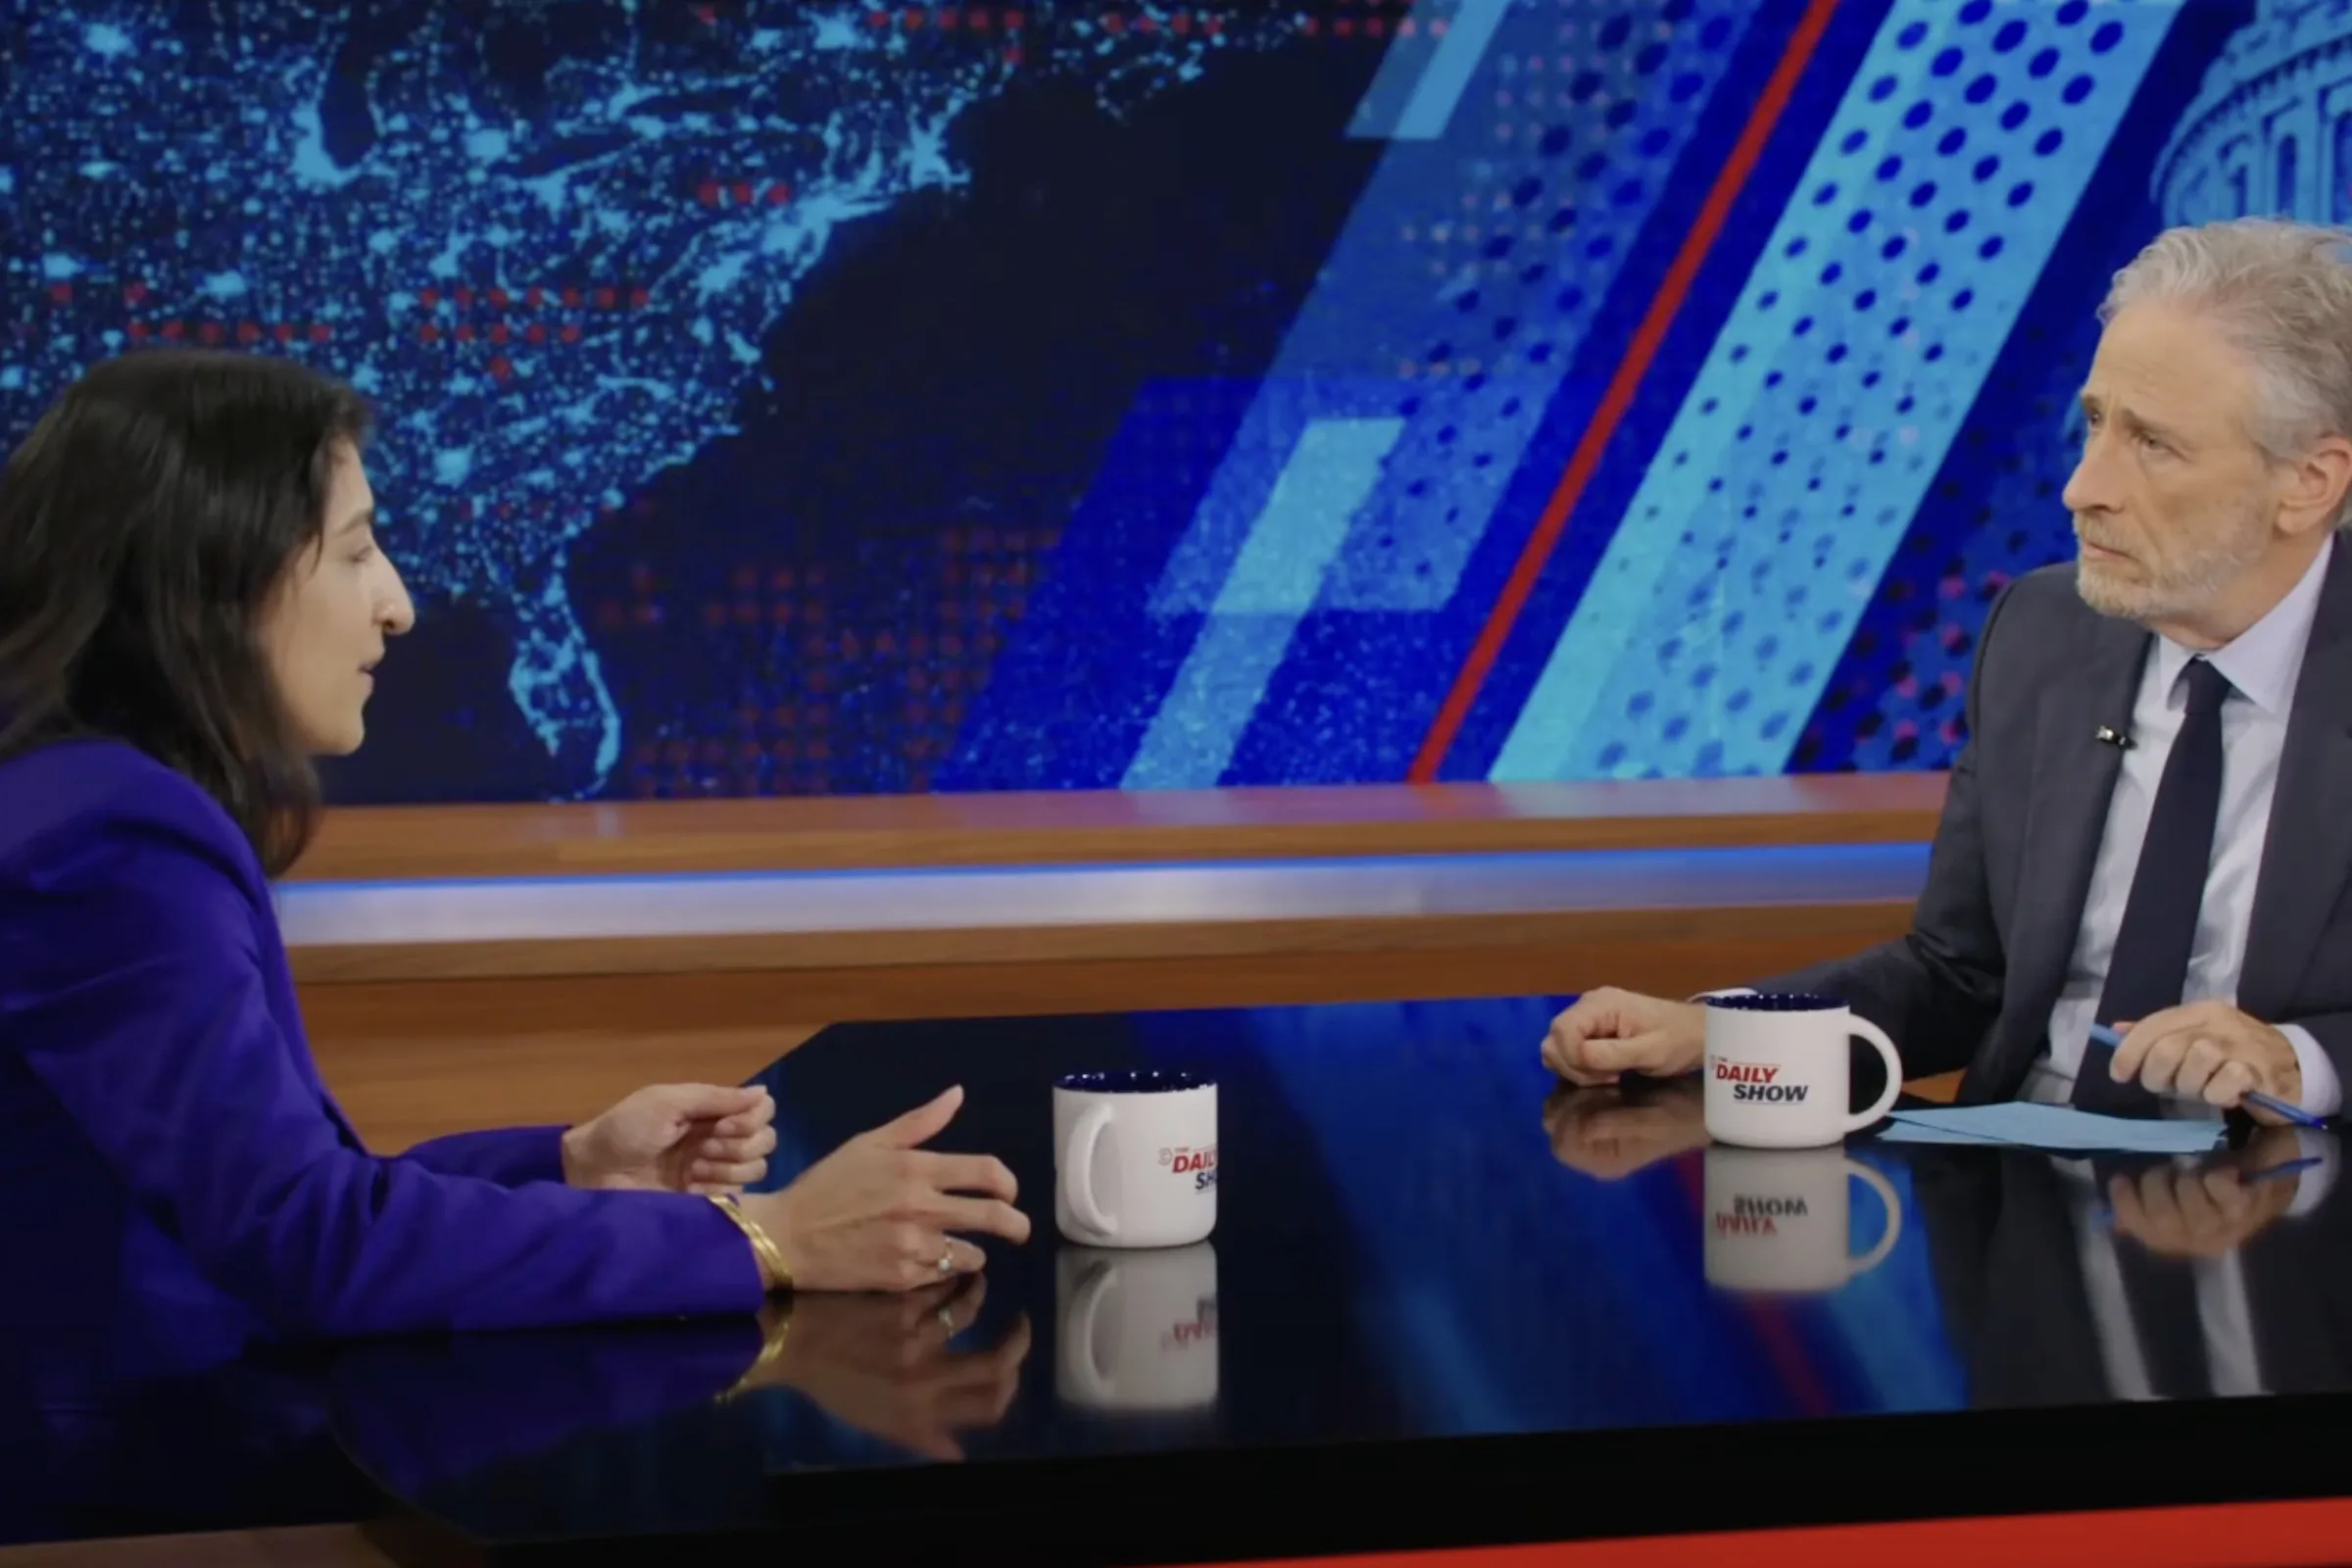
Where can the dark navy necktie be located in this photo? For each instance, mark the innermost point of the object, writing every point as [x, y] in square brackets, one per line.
[2150, 966]
[2161, 1314]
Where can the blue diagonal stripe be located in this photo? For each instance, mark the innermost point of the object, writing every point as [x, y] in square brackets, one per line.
[1831, 397]
[1472, 356]
[1273, 582]
[1447, 75]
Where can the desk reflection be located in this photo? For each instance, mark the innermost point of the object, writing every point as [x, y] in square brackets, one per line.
[2086, 1280]
[2062, 1279]
[882, 1370]
[1612, 1130]
[1137, 1327]
[890, 1366]
[1777, 1219]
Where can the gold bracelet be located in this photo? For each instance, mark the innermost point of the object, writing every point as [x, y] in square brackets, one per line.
[764, 1246]
[768, 1356]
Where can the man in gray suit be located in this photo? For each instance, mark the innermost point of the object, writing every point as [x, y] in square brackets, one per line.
[2151, 824]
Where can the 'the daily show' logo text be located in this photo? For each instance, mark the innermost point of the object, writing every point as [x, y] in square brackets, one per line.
[1200, 1164]
[1757, 1216]
[1200, 1328]
[1753, 1081]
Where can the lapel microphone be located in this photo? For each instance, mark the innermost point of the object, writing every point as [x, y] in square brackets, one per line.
[2120, 739]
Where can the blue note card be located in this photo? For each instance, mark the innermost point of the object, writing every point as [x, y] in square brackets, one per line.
[2030, 1126]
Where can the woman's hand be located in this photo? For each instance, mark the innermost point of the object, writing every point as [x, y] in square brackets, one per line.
[676, 1138]
[886, 1364]
[877, 1214]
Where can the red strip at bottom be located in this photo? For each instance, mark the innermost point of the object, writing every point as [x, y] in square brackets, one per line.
[2236, 1535]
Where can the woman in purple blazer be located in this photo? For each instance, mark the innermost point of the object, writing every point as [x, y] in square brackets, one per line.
[192, 606]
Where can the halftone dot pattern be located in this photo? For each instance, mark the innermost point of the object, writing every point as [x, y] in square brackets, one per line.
[1997, 510]
[1584, 134]
[1453, 307]
[1899, 697]
[820, 691]
[1464, 282]
[1830, 399]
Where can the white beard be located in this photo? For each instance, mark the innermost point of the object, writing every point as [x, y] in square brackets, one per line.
[2189, 584]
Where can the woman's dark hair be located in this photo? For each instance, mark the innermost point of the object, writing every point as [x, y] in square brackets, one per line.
[144, 527]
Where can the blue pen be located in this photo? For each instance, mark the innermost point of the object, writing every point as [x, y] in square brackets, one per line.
[2253, 1096]
[2272, 1173]
[2281, 1108]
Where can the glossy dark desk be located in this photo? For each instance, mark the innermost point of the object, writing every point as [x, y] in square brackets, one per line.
[1444, 1304]
[1421, 1322]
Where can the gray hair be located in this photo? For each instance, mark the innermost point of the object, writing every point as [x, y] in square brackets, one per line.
[2281, 291]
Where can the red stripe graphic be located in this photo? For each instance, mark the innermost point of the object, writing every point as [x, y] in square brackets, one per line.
[1619, 396]
[2234, 1534]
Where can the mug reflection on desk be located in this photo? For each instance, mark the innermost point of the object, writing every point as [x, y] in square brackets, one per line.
[1777, 1219]
[1136, 1330]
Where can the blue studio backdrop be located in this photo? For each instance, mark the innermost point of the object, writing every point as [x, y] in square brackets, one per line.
[790, 397]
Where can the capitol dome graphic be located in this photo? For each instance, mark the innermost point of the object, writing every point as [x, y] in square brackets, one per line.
[2270, 131]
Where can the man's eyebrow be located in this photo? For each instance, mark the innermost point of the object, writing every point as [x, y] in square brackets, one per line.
[365, 517]
[2143, 425]
[2131, 420]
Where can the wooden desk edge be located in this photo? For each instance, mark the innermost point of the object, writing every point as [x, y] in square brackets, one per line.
[1114, 827]
[1860, 920]
[343, 1546]
[1941, 1087]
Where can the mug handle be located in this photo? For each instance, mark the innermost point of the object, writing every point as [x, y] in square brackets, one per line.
[1894, 1219]
[1091, 1289]
[1894, 1073]
[1078, 1170]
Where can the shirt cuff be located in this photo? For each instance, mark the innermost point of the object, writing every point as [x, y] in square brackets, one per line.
[2323, 1096]
[2323, 1091]
[2313, 1185]
[1726, 991]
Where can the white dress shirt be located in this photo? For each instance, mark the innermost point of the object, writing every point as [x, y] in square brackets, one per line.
[2263, 666]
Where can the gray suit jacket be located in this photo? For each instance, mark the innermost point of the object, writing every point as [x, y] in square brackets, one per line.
[1974, 982]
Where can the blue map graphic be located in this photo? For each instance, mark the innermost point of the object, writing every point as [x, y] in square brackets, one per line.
[547, 238]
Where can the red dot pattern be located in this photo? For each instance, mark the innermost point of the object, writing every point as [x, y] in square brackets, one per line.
[836, 691]
[183, 327]
[532, 315]
[1337, 19]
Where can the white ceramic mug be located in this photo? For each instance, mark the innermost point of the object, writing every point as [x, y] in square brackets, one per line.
[1777, 1219]
[1135, 1159]
[1779, 1072]
[1136, 1330]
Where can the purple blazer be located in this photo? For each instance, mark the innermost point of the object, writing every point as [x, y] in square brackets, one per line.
[166, 1142]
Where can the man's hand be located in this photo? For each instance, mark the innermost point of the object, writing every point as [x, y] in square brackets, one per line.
[2209, 1050]
[676, 1138]
[2212, 1209]
[1613, 1131]
[1610, 1031]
